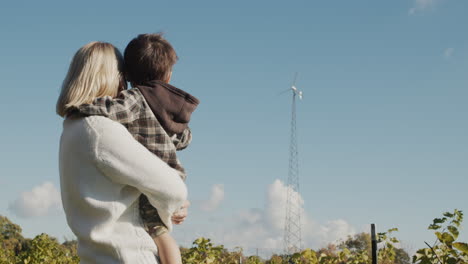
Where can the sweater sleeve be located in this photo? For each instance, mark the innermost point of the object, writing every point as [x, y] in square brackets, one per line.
[122, 159]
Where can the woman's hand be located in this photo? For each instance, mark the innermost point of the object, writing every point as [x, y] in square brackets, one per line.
[179, 216]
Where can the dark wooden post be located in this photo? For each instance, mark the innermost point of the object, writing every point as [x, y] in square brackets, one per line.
[374, 245]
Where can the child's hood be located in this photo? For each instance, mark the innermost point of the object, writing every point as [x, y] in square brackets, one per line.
[172, 106]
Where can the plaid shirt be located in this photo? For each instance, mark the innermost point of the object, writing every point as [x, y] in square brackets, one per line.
[131, 110]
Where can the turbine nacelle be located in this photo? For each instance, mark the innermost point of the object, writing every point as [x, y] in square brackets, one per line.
[296, 91]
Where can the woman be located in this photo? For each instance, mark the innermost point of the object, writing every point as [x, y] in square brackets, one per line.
[103, 170]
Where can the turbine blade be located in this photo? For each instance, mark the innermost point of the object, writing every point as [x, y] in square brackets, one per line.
[295, 78]
[285, 91]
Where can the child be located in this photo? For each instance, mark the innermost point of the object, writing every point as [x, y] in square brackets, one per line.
[156, 114]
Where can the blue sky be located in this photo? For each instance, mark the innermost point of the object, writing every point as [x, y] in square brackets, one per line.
[382, 129]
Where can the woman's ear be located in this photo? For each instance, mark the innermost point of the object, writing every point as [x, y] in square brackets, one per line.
[169, 78]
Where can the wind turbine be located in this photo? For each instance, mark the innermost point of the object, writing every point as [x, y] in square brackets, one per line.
[292, 226]
[294, 89]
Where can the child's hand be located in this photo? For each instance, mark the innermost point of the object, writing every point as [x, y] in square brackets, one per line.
[179, 216]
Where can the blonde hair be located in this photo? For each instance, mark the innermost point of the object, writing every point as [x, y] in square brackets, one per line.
[95, 71]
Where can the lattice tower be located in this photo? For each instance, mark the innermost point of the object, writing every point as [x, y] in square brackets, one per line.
[292, 228]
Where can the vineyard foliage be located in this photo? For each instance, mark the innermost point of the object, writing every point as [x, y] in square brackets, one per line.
[15, 249]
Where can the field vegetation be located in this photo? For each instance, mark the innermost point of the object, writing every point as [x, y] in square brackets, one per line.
[445, 249]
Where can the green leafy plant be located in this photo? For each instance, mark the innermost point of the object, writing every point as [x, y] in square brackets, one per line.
[15, 249]
[446, 249]
[203, 252]
[44, 249]
[387, 253]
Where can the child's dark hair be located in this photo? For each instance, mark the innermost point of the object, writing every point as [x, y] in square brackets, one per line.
[149, 57]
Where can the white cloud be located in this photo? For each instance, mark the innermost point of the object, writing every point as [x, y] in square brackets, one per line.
[334, 231]
[313, 233]
[216, 197]
[422, 5]
[262, 228]
[40, 201]
[448, 52]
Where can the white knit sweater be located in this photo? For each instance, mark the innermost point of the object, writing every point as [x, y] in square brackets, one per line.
[103, 171]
